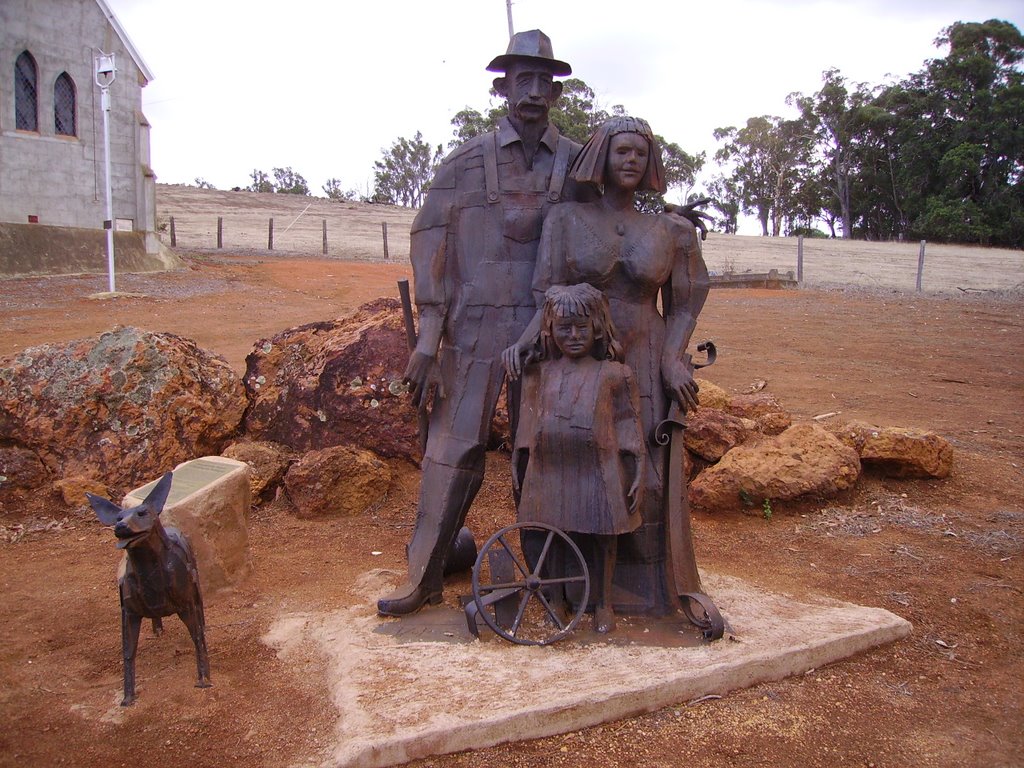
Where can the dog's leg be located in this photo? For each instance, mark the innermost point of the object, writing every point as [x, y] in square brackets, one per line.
[196, 623]
[158, 627]
[130, 626]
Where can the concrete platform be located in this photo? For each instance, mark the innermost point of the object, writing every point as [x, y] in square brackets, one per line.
[411, 688]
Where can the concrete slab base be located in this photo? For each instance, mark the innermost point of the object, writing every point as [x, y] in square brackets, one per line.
[406, 689]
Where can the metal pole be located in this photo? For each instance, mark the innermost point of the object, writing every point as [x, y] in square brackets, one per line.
[800, 258]
[325, 236]
[920, 266]
[508, 11]
[174, 235]
[270, 234]
[109, 223]
[384, 231]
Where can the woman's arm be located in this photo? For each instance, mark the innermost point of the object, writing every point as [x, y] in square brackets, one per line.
[683, 298]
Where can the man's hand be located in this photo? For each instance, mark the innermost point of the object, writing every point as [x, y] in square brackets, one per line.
[680, 386]
[423, 374]
[690, 212]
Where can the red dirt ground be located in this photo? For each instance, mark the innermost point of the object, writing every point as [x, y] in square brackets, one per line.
[945, 554]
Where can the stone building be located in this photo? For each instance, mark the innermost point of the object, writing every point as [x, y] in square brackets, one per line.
[52, 165]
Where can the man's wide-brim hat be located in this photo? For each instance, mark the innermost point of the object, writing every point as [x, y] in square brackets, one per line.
[532, 46]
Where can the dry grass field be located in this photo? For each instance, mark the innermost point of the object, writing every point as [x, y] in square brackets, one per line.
[948, 555]
[354, 232]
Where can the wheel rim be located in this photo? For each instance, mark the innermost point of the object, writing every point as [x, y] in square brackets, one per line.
[536, 621]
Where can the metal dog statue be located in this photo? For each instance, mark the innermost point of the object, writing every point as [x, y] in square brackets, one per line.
[158, 577]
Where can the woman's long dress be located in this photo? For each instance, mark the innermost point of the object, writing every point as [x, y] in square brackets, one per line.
[580, 244]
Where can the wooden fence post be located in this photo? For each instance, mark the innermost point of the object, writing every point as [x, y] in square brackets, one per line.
[800, 259]
[220, 231]
[174, 235]
[384, 229]
[325, 236]
[270, 234]
[920, 266]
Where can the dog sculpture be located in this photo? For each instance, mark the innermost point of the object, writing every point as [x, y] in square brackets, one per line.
[158, 577]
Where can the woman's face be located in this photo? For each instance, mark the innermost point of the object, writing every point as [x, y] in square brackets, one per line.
[627, 160]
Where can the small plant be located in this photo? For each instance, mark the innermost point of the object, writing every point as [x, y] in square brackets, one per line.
[766, 509]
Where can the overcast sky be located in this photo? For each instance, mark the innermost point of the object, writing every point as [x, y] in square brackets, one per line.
[323, 86]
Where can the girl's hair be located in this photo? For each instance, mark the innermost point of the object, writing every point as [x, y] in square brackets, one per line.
[581, 300]
[590, 164]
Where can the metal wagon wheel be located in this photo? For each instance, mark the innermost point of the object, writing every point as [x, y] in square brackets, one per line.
[518, 602]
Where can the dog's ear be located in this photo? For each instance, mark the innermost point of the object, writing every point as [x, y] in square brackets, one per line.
[107, 511]
[158, 496]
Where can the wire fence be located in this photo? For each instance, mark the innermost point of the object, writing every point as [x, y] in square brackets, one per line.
[297, 226]
[290, 225]
[908, 267]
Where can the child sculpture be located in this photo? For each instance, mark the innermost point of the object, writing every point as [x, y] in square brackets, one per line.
[579, 453]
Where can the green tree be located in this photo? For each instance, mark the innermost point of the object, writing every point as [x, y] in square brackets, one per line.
[725, 198]
[260, 182]
[768, 156]
[333, 189]
[402, 175]
[289, 182]
[834, 117]
[470, 123]
[974, 100]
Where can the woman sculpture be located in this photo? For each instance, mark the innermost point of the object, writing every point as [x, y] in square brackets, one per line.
[635, 259]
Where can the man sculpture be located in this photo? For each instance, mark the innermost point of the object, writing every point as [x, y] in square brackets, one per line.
[473, 250]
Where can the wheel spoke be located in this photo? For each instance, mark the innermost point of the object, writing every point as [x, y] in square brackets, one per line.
[551, 611]
[503, 585]
[544, 551]
[521, 612]
[515, 559]
[563, 580]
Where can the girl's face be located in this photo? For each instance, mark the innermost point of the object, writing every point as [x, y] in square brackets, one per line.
[627, 160]
[574, 335]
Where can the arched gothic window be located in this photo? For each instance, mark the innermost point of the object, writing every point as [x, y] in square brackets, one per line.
[65, 122]
[26, 93]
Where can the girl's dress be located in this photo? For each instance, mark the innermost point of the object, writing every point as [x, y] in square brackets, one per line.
[580, 428]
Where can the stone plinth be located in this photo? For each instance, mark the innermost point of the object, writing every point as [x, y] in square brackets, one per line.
[209, 502]
[409, 688]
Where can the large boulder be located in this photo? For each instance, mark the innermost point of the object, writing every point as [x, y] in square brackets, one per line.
[336, 482]
[805, 460]
[333, 383]
[711, 433]
[267, 464]
[763, 409]
[711, 395]
[21, 472]
[118, 408]
[898, 452]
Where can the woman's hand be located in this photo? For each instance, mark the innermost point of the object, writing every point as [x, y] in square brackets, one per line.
[423, 374]
[680, 386]
[515, 358]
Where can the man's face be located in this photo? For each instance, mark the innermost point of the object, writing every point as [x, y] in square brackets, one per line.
[530, 91]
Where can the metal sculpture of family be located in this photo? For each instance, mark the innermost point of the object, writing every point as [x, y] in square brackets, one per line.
[533, 267]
